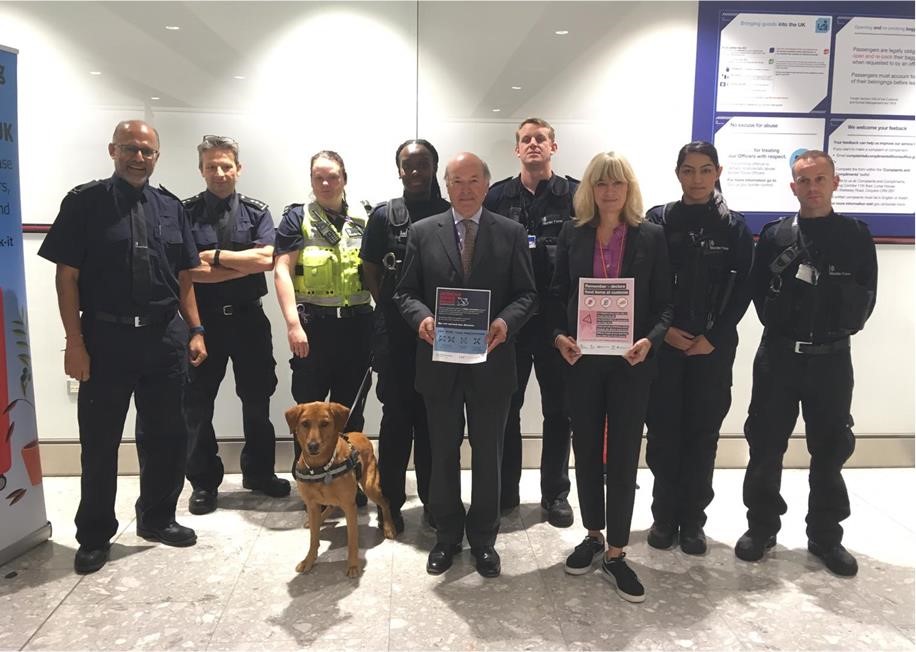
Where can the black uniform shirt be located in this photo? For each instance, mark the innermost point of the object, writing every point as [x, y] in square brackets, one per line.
[682, 219]
[842, 251]
[250, 225]
[541, 213]
[92, 233]
[376, 242]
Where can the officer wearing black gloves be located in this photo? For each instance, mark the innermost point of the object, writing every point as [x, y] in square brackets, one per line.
[711, 250]
[234, 235]
[813, 283]
[395, 343]
[123, 251]
[541, 201]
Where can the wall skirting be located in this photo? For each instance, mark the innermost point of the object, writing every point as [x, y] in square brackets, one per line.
[62, 457]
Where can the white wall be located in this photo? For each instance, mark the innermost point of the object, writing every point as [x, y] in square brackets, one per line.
[602, 89]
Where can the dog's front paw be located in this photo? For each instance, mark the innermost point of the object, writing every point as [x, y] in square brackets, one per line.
[305, 565]
[388, 529]
[353, 571]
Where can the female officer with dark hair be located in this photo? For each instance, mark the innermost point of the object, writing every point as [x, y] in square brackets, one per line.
[321, 293]
[384, 245]
[711, 250]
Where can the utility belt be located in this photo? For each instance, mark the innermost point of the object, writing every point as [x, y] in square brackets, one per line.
[134, 321]
[805, 348]
[231, 309]
[309, 311]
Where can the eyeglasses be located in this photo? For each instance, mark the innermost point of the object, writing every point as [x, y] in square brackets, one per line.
[218, 141]
[146, 152]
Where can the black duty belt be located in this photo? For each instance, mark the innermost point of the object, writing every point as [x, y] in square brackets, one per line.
[334, 312]
[136, 321]
[807, 348]
[231, 309]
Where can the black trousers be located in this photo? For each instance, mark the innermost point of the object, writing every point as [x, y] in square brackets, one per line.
[339, 351]
[687, 403]
[486, 421]
[151, 364]
[534, 348]
[822, 384]
[244, 337]
[404, 425]
[608, 387]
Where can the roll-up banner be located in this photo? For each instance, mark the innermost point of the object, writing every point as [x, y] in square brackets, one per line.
[23, 519]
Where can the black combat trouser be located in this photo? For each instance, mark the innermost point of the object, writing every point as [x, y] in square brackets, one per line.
[244, 337]
[149, 363]
[339, 352]
[822, 384]
[404, 424]
[687, 404]
[534, 347]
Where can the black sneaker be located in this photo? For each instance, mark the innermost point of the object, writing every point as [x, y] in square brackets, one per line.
[661, 536]
[836, 558]
[584, 555]
[624, 579]
[751, 547]
[693, 540]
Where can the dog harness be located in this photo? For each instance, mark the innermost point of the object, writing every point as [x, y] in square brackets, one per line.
[328, 472]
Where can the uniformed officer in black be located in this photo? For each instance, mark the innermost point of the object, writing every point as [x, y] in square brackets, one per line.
[813, 283]
[124, 252]
[711, 250]
[234, 235]
[541, 201]
[395, 344]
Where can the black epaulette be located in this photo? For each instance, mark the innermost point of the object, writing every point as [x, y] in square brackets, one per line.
[168, 192]
[288, 208]
[85, 186]
[572, 179]
[785, 236]
[254, 203]
[190, 202]
[500, 184]
[561, 186]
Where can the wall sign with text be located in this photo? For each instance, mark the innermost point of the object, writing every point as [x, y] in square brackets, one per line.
[776, 78]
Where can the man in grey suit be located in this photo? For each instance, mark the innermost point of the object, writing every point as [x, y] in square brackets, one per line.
[467, 247]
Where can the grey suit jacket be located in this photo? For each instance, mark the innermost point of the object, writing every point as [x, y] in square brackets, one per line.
[501, 264]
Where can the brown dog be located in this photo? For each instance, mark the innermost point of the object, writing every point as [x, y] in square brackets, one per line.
[325, 453]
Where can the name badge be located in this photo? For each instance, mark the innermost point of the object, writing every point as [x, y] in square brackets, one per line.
[807, 273]
[532, 241]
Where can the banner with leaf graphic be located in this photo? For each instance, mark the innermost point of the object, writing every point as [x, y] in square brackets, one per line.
[23, 519]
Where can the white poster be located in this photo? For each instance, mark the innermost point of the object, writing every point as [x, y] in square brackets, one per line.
[874, 160]
[874, 67]
[773, 63]
[755, 152]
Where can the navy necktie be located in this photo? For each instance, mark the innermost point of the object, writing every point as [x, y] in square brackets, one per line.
[140, 265]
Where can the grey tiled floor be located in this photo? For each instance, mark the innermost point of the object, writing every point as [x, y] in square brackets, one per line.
[237, 588]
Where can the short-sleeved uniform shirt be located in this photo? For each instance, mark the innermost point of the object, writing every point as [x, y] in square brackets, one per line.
[92, 232]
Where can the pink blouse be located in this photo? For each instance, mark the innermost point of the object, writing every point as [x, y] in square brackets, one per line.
[607, 261]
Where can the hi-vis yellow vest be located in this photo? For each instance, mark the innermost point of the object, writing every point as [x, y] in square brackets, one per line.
[328, 275]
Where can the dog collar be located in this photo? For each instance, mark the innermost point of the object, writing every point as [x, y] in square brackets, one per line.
[328, 472]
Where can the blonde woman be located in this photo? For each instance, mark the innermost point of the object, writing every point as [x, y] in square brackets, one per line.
[609, 239]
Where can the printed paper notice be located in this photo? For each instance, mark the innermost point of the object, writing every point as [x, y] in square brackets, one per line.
[462, 322]
[773, 63]
[605, 316]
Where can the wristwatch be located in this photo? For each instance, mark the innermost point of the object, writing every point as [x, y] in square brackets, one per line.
[197, 330]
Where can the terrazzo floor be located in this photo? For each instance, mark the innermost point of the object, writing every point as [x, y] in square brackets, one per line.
[237, 588]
